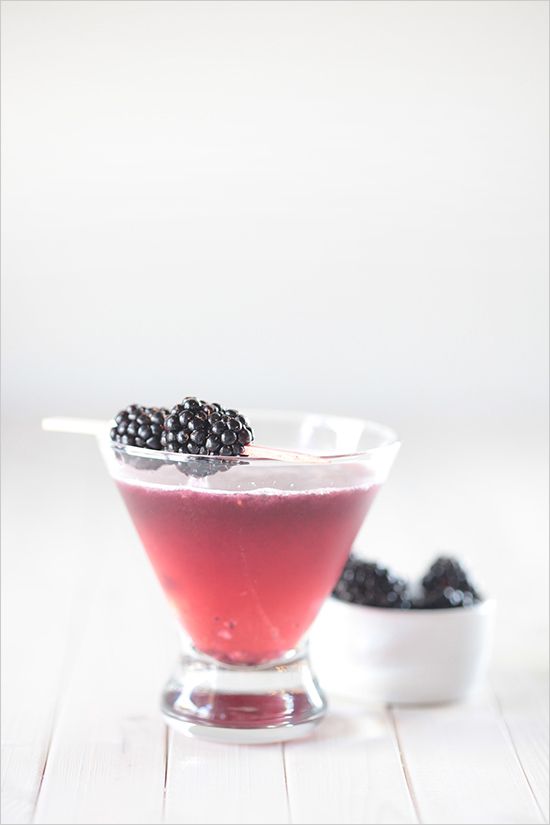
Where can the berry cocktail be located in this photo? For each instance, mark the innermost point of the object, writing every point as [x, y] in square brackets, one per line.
[247, 549]
[246, 572]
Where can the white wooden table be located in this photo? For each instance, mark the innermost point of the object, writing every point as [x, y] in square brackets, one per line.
[88, 643]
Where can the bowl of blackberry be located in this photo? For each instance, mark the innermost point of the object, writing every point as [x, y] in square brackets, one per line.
[383, 639]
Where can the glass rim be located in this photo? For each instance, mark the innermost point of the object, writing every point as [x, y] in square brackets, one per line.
[388, 438]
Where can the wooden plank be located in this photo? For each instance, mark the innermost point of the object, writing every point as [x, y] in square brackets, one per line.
[523, 700]
[216, 784]
[29, 696]
[49, 570]
[462, 765]
[349, 771]
[107, 757]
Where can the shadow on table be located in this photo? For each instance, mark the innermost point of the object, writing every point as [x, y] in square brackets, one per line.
[352, 720]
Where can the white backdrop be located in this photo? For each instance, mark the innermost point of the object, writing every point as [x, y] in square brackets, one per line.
[339, 206]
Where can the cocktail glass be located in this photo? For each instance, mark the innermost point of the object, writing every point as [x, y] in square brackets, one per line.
[247, 550]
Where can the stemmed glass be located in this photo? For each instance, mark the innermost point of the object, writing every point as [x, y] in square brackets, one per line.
[246, 550]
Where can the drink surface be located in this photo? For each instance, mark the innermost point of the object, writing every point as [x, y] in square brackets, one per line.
[246, 572]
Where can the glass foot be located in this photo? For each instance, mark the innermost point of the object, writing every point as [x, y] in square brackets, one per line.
[275, 702]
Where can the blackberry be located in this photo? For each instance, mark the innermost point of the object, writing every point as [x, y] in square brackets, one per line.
[367, 583]
[450, 597]
[446, 584]
[138, 426]
[202, 466]
[202, 428]
[139, 462]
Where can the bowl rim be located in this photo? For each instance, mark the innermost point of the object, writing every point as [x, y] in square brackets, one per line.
[484, 607]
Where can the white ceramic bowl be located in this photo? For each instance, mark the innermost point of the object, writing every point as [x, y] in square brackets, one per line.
[402, 656]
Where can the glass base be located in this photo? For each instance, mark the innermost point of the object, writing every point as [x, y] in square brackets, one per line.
[275, 702]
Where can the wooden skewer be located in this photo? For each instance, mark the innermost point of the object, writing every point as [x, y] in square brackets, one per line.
[98, 428]
[257, 451]
[79, 426]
